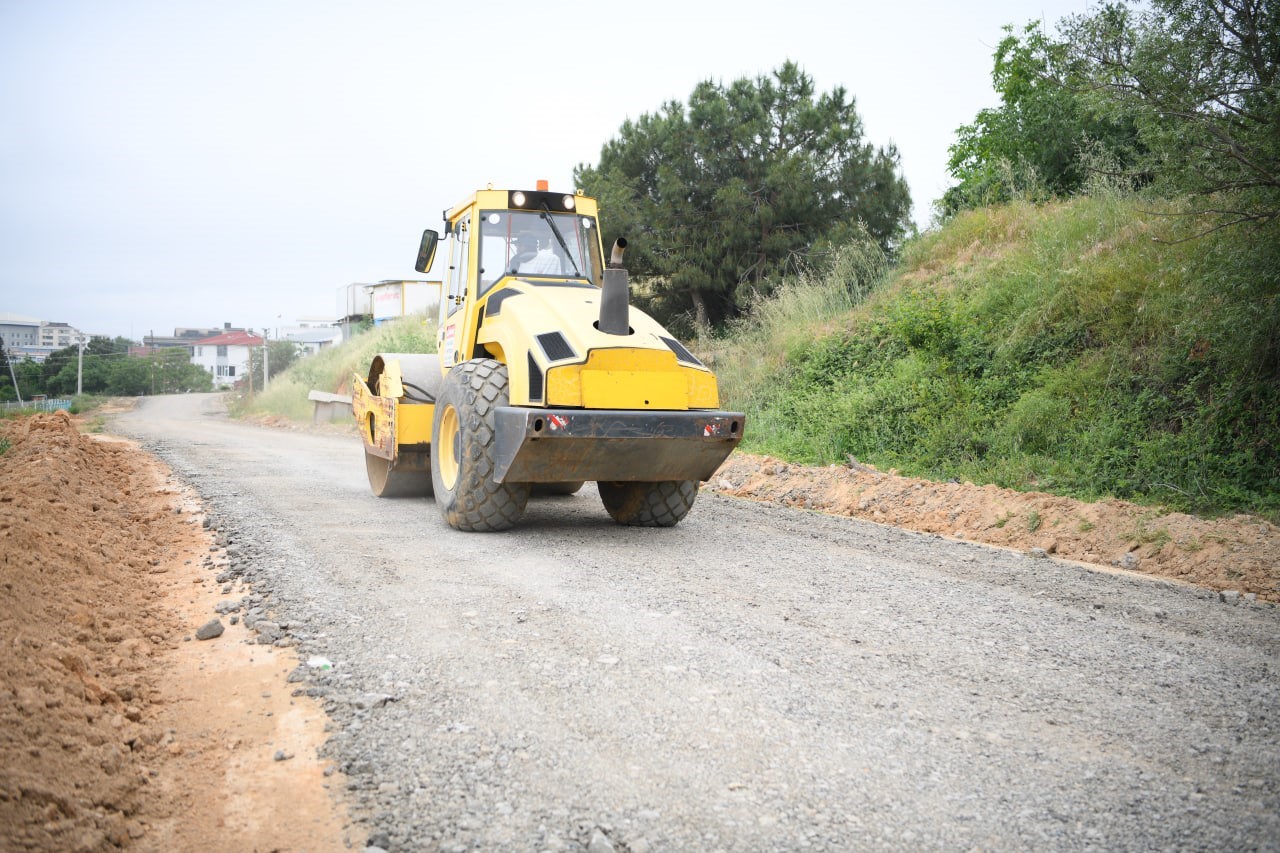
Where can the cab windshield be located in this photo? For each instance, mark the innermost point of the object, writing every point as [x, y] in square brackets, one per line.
[536, 245]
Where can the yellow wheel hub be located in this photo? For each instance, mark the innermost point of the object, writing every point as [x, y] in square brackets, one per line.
[449, 449]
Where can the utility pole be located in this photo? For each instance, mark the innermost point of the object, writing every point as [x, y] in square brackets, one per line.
[8, 357]
[266, 373]
[80, 344]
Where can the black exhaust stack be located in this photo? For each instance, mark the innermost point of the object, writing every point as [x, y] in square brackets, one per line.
[615, 299]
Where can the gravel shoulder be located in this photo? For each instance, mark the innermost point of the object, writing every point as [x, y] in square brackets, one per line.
[755, 678]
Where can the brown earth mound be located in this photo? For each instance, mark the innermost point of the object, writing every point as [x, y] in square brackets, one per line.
[1240, 554]
[80, 528]
[116, 729]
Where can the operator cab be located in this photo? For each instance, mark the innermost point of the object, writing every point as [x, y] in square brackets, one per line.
[541, 238]
[537, 244]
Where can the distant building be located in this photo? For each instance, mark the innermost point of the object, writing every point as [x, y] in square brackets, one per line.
[19, 330]
[225, 356]
[28, 337]
[356, 308]
[311, 341]
[57, 336]
[392, 299]
[311, 334]
[187, 337]
[385, 300]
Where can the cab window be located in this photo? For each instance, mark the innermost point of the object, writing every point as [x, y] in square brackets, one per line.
[536, 245]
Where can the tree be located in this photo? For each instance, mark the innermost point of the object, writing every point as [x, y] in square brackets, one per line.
[1201, 81]
[27, 372]
[1034, 139]
[133, 376]
[57, 370]
[60, 368]
[6, 379]
[280, 355]
[172, 372]
[720, 197]
[108, 368]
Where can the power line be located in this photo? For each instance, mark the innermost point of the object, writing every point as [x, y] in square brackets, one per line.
[63, 355]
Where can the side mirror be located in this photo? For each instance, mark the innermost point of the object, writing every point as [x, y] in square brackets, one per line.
[427, 250]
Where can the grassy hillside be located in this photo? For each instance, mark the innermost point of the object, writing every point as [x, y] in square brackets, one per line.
[1075, 347]
[331, 369]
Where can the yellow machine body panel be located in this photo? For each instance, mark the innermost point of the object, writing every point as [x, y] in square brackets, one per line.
[476, 226]
[553, 328]
[413, 423]
[376, 418]
[631, 379]
[389, 420]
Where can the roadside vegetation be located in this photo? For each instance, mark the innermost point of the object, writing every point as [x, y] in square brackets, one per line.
[331, 369]
[105, 369]
[1099, 311]
[1072, 347]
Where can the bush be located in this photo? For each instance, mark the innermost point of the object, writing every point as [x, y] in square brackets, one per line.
[1080, 347]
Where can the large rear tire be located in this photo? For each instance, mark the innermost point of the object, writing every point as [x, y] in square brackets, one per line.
[462, 445]
[386, 482]
[661, 504]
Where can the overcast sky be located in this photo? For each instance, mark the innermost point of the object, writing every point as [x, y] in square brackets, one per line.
[175, 163]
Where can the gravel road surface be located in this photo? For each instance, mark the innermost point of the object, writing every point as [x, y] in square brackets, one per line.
[755, 678]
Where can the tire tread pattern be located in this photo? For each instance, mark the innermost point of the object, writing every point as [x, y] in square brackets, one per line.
[478, 503]
[661, 504]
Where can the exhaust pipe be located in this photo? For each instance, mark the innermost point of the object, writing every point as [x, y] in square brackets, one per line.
[615, 257]
[615, 297]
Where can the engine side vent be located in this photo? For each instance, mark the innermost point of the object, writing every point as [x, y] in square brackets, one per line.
[555, 346]
[535, 381]
[682, 354]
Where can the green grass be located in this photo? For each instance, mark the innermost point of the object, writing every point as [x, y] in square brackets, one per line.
[86, 403]
[1073, 347]
[331, 369]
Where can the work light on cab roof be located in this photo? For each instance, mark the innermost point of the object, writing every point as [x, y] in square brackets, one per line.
[544, 377]
[522, 200]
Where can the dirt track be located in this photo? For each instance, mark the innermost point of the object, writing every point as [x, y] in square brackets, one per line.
[756, 678]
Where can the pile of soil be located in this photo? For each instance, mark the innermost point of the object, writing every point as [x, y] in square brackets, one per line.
[81, 528]
[117, 728]
[1238, 555]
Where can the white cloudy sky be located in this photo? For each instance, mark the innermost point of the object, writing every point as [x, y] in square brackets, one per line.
[178, 163]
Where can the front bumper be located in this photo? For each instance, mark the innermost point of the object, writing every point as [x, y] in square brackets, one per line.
[566, 445]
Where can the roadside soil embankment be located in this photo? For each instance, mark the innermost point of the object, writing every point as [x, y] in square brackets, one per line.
[117, 726]
[1239, 556]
